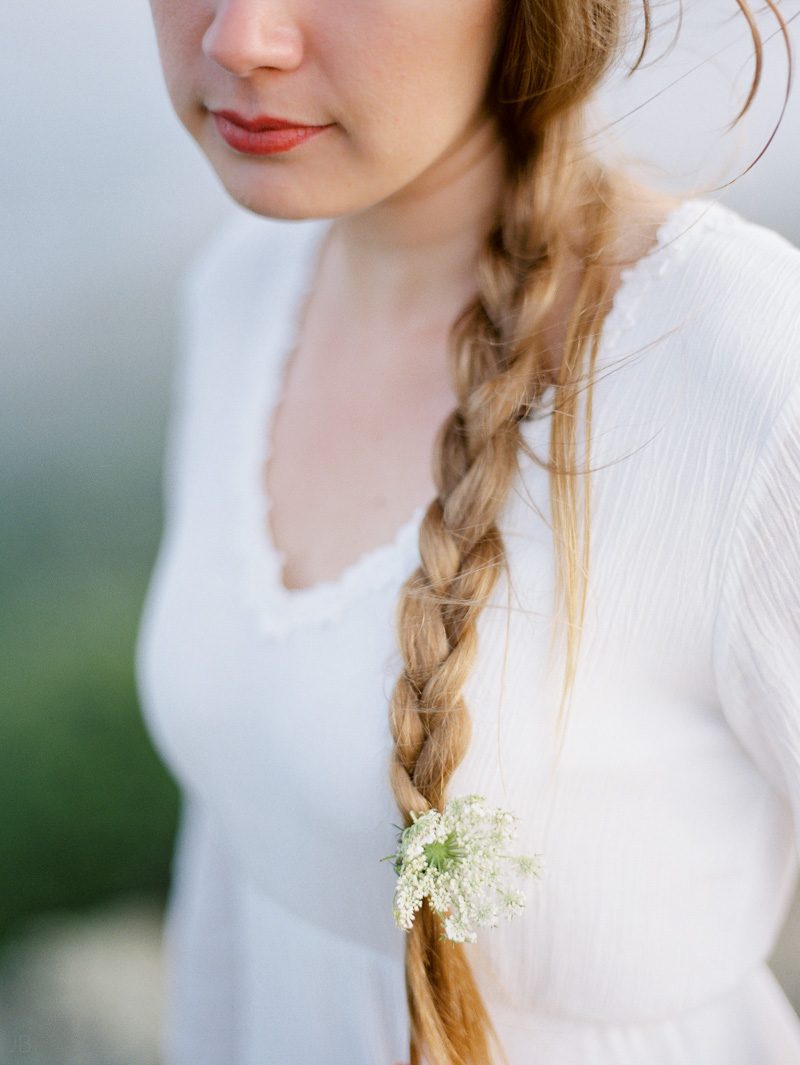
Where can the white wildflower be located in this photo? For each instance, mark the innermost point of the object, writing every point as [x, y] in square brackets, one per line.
[455, 859]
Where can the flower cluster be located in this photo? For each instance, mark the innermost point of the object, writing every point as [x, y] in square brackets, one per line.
[454, 860]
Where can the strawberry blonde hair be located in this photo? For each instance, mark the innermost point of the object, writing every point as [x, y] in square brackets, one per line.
[550, 57]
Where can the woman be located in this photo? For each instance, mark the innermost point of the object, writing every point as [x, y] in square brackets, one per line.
[449, 275]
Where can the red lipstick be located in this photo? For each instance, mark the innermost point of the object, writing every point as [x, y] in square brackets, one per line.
[262, 135]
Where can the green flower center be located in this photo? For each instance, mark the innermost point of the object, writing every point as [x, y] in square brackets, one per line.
[441, 854]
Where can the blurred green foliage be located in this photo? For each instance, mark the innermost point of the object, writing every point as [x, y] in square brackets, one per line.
[87, 810]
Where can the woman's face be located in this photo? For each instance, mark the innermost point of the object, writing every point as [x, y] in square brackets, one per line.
[381, 96]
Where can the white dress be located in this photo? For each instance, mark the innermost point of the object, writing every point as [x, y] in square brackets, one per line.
[668, 825]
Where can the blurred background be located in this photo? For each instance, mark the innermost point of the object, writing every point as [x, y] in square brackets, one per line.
[104, 200]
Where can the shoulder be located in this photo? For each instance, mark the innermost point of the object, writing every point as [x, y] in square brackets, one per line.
[721, 296]
[239, 298]
[737, 283]
[248, 258]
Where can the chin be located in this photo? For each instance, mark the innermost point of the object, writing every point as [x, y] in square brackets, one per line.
[289, 206]
[282, 186]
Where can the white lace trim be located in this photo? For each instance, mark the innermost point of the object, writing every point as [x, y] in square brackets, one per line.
[637, 280]
[279, 610]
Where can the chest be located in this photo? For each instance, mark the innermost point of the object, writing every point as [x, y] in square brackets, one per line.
[350, 456]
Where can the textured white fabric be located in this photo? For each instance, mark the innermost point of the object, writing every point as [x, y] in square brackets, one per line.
[669, 822]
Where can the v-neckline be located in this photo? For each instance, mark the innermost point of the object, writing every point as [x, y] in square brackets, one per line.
[271, 349]
[271, 338]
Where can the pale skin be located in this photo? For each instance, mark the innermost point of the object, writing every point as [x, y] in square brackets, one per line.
[410, 168]
[353, 435]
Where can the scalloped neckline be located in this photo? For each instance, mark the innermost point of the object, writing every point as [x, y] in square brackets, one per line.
[281, 609]
[368, 560]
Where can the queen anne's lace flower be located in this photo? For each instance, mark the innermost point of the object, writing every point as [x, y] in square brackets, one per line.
[454, 860]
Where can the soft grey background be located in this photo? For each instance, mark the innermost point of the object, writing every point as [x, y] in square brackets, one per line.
[104, 199]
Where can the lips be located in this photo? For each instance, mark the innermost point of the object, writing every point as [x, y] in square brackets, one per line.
[264, 134]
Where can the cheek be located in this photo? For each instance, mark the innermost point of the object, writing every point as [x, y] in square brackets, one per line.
[179, 27]
[415, 67]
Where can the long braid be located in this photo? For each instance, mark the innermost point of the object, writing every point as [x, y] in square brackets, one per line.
[499, 370]
[500, 367]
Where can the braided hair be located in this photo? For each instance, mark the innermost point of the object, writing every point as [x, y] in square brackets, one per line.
[550, 57]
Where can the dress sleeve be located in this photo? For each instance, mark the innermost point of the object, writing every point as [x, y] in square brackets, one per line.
[201, 945]
[757, 639]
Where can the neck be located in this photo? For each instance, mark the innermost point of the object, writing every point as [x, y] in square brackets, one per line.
[412, 256]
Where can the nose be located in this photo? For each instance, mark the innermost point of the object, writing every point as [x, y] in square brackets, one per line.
[248, 35]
